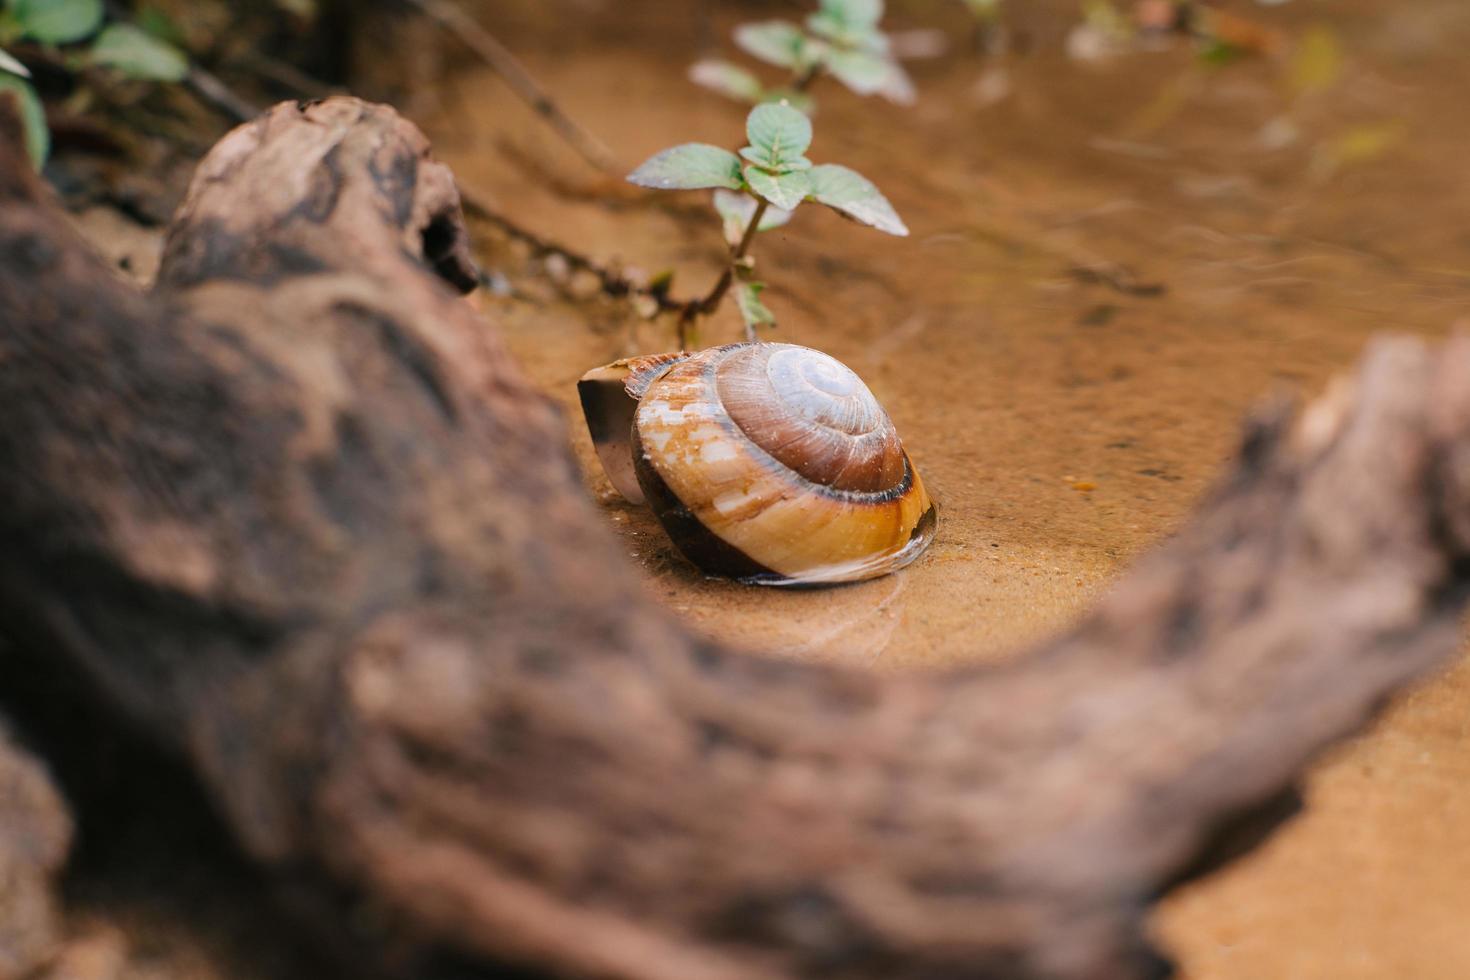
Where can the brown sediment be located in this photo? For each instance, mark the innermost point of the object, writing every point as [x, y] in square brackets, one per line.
[1021, 360]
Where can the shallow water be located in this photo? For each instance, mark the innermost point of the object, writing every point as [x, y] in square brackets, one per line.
[1063, 410]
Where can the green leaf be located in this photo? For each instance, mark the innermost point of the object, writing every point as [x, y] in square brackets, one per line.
[777, 134]
[860, 71]
[854, 13]
[826, 27]
[850, 23]
[752, 310]
[871, 74]
[898, 88]
[727, 79]
[138, 54]
[690, 166]
[32, 116]
[854, 195]
[785, 191]
[737, 209]
[160, 25]
[784, 167]
[8, 63]
[775, 42]
[58, 21]
[10, 29]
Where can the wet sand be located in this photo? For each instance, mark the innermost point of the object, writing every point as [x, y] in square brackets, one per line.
[1064, 422]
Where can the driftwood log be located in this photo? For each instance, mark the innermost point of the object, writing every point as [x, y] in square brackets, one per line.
[297, 517]
[35, 833]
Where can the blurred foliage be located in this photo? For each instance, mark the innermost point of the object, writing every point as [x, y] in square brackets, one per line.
[1317, 63]
[33, 116]
[841, 38]
[74, 37]
[107, 72]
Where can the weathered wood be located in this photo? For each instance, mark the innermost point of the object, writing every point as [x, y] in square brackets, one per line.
[299, 515]
[35, 835]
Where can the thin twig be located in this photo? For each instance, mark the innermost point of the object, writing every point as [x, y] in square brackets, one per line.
[509, 68]
[289, 76]
[201, 83]
[613, 283]
[208, 88]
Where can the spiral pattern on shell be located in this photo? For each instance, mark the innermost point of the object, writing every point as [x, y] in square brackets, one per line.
[811, 413]
[774, 463]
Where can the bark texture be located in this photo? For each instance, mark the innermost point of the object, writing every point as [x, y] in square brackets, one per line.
[35, 835]
[298, 516]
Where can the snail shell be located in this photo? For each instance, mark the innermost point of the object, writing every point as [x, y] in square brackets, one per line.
[769, 463]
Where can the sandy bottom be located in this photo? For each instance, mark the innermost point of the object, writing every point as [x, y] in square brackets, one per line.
[1064, 423]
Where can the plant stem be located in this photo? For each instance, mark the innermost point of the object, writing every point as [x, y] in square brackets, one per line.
[750, 230]
[694, 310]
[711, 301]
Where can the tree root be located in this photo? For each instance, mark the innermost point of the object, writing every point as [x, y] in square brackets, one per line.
[35, 835]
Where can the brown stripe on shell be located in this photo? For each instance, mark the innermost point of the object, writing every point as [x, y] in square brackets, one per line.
[699, 544]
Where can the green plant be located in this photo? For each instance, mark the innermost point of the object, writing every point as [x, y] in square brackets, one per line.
[54, 24]
[841, 39]
[757, 190]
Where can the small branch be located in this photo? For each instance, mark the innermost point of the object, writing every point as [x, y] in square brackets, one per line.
[1116, 277]
[209, 89]
[613, 283]
[288, 76]
[509, 67]
[201, 83]
[35, 839]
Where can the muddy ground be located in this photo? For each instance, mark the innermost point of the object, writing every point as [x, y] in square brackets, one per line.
[1289, 208]
[1111, 262]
